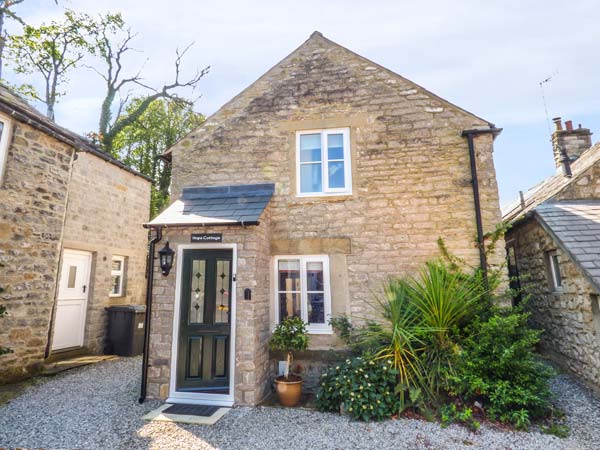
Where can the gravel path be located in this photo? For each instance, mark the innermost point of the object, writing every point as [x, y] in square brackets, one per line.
[96, 407]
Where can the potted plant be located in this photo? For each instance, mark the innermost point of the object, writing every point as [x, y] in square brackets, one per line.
[290, 335]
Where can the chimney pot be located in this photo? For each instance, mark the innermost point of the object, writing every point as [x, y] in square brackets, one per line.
[569, 125]
[558, 122]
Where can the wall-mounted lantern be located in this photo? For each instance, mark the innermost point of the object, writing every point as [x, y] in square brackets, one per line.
[166, 259]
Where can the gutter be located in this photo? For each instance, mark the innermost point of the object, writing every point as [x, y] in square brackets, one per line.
[202, 224]
[469, 134]
[149, 283]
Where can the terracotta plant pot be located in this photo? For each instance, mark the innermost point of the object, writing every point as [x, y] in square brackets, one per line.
[289, 391]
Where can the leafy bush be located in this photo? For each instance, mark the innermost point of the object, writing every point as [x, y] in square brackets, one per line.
[419, 320]
[452, 414]
[362, 387]
[289, 335]
[498, 365]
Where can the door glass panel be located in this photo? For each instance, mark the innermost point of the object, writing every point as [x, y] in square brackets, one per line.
[220, 353]
[72, 277]
[195, 357]
[196, 313]
[289, 304]
[222, 299]
[316, 308]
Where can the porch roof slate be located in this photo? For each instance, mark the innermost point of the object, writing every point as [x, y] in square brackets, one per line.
[575, 226]
[217, 205]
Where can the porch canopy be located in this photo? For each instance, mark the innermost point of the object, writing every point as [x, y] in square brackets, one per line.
[217, 205]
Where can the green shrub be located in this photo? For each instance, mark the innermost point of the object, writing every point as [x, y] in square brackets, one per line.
[559, 430]
[498, 365]
[289, 335]
[362, 387]
[453, 414]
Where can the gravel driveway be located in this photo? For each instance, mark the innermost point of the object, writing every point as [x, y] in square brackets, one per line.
[96, 407]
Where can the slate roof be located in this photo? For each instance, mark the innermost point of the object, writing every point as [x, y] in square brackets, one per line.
[217, 205]
[551, 186]
[575, 226]
[15, 106]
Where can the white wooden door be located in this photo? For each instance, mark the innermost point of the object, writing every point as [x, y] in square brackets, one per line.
[71, 304]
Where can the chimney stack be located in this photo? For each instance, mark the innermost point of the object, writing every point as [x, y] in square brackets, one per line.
[568, 144]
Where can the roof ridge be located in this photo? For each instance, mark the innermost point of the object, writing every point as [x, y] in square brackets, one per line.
[314, 36]
[587, 159]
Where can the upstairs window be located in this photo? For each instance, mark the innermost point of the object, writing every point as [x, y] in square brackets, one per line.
[302, 289]
[117, 276]
[323, 162]
[554, 268]
[4, 143]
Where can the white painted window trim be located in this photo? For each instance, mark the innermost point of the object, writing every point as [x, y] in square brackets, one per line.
[120, 273]
[304, 260]
[347, 189]
[554, 269]
[4, 144]
[201, 398]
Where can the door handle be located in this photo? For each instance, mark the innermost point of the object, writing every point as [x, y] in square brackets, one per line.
[84, 286]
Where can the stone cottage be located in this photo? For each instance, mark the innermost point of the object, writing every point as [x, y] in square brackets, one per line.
[71, 238]
[302, 196]
[553, 252]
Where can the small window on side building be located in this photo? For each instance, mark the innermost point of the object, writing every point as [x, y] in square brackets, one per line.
[117, 276]
[5, 130]
[554, 268]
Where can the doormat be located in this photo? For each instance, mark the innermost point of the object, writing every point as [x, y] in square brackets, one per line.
[184, 413]
[191, 410]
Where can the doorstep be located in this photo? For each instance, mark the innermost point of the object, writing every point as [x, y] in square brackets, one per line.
[52, 368]
[190, 414]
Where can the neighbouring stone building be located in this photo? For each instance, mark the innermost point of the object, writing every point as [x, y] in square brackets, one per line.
[553, 251]
[71, 240]
[302, 196]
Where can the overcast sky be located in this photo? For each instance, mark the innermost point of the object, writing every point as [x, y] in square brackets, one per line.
[486, 56]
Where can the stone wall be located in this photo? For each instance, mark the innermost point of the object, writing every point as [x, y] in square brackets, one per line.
[106, 209]
[252, 317]
[33, 199]
[571, 318]
[410, 164]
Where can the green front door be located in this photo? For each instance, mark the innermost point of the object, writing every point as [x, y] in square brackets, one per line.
[205, 322]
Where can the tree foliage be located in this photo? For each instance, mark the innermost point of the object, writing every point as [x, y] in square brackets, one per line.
[110, 40]
[140, 144]
[51, 51]
[7, 12]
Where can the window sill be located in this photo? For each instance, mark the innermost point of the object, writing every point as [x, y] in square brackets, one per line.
[327, 330]
[324, 194]
[312, 331]
[117, 295]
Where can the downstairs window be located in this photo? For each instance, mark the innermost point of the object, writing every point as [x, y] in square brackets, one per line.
[303, 289]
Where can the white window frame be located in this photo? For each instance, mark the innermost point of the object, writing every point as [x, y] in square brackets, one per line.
[120, 273]
[326, 190]
[4, 143]
[554, 270]
[324, 328]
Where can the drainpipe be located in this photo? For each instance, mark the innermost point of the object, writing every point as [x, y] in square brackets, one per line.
[149, 283]
[469, 134]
